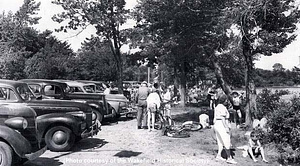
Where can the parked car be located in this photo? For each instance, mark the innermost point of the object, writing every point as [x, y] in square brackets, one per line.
[59, 122]
[119, 102]
[19, 138]
[51, 89]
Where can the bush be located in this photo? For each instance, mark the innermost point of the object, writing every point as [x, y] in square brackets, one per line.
[284, 125]
[267, 102]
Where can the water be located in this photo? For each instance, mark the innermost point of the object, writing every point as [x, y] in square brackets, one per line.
[293, 91]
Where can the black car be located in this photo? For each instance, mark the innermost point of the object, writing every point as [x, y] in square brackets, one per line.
[19, 138]
[51, 89]
[60, 123]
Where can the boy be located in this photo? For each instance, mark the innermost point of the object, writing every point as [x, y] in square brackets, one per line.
[255, 148]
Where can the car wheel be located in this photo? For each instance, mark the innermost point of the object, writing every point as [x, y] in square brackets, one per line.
[59, 139]
[6, 154]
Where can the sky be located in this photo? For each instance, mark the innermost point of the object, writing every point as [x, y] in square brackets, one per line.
[289, 58]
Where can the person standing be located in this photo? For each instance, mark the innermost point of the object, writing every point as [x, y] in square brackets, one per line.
[221, 128]
[153, 104]
[141, 98]
[236, 106]
[167, 99]
[211, 95]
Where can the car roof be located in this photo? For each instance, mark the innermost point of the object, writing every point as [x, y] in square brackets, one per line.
[77, 83]
[44, 81]
[12, 83]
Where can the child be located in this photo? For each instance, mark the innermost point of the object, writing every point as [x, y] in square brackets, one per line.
[255, 148]
[236, 107]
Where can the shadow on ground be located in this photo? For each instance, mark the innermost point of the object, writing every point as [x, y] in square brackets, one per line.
[41, 161]
[85, 145]
[127, 154]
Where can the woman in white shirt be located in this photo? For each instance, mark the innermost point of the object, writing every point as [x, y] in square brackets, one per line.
[153, 104]
[222, 127]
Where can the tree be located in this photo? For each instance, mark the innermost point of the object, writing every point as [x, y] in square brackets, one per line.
[266, 27]
[14, 30]
[185, 34]
[106, 16]
[52, 60]
[278, 67]
[95, 61]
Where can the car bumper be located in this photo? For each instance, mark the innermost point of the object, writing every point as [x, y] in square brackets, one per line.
[36, 154]
[95, 128]
[129, 112]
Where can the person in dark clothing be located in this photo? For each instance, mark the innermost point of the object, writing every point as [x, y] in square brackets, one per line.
[141, 98]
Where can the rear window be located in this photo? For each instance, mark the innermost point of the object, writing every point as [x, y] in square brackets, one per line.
[36, 89]
[52, 90]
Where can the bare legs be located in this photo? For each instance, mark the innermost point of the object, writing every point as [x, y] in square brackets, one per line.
[151, 119]
[257, 150]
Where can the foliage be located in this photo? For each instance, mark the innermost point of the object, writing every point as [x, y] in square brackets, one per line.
[106, 16]
[95, 61]
[266, 78]
[13, 35]
[268, 102]
[51, 61]
[285, 130]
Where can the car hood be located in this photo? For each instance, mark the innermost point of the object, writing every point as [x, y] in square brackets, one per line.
[16, 109]
[63, 104]
[116, 97]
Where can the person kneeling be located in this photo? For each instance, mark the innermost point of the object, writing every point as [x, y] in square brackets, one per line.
[255, 148]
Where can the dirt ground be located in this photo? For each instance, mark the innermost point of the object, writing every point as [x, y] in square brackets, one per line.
[122, 144]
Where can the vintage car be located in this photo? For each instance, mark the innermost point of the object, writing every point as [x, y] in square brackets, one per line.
[19, 138]
[51, 89]
[119, 102]
[59, 122]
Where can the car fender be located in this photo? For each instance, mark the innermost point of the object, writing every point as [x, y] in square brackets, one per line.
[97, 107]
[44, 122]
[20, 144]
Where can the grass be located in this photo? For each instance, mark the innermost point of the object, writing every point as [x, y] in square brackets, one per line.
[207, 142]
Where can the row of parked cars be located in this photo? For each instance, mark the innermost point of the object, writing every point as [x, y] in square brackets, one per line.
[36, 114]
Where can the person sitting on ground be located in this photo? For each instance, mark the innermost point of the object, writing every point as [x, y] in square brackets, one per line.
[153, 104]
[255, 148]
[204, 120]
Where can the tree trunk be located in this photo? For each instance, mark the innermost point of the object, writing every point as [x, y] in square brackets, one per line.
[182, 87]
[219, 75]
[115, 48]
[249, 82]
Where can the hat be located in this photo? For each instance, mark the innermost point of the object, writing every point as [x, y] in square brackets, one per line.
[144, 82]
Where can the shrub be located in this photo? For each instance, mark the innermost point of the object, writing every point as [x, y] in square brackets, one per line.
[267, 102]
[284, 125]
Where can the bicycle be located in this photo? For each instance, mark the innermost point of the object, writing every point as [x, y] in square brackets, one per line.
[169, 128]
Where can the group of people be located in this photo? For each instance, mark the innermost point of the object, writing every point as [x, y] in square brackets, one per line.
[222, 131]
[149, 100]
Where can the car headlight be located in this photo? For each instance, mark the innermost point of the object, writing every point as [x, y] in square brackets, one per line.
[17, 123]
[94, 116]
[79, 114]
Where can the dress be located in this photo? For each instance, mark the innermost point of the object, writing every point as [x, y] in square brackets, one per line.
[223, 137]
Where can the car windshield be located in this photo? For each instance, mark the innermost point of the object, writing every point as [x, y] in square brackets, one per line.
[25, 93]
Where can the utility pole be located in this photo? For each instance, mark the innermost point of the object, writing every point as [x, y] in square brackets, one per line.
[149, 74]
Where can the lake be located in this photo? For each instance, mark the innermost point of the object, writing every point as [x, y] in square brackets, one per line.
[293, 91]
